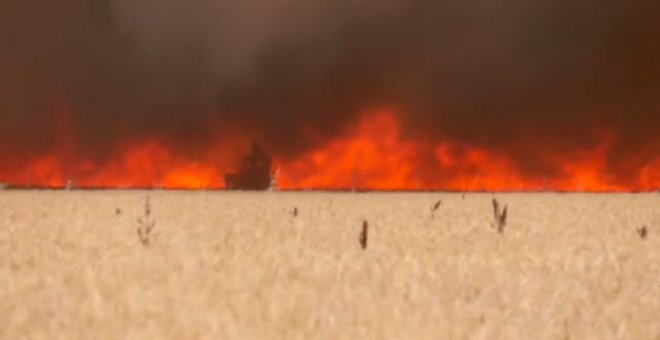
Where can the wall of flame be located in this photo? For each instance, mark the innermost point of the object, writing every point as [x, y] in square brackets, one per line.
[369, 155]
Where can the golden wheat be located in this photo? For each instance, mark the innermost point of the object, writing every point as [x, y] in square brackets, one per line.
[224, 265]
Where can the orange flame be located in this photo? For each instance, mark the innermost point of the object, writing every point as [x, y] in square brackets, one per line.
[373, 156]
[148, 165]
[370, 155]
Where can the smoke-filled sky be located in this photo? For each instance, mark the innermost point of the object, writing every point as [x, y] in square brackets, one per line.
[525, 78]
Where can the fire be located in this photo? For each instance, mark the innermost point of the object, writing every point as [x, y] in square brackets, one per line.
[372, 154]
[148, 165]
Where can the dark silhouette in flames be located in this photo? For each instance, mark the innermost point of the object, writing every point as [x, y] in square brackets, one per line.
[254, 172]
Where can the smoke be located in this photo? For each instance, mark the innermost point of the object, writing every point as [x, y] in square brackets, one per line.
[522, 77]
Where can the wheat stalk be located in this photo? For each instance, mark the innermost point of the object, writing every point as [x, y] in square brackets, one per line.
[499, 215]
[364, 235]
[435, 207]
[145, 225]
[642, 232]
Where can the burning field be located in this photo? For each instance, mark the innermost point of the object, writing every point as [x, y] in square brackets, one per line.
[454, 99]
[239, 265]
[371, 155]
[386, 95]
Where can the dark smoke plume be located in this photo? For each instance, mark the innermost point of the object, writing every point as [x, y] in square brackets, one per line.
[489, 73]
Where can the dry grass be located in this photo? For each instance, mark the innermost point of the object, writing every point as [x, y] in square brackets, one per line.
[240, 266]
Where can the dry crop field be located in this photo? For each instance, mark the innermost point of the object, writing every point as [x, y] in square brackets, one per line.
[232, 265]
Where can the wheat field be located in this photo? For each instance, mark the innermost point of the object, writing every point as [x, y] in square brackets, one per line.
[232, 265]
